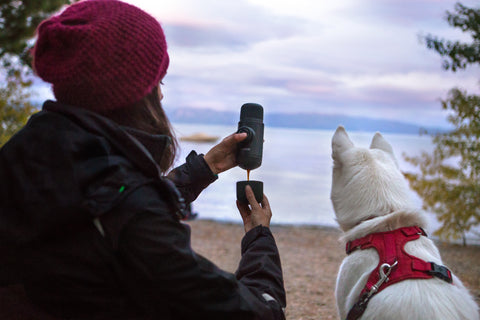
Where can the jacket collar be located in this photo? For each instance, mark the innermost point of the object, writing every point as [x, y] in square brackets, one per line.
[142, 148]
[156, 144]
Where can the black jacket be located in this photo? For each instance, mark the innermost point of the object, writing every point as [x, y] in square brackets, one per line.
[91, 229]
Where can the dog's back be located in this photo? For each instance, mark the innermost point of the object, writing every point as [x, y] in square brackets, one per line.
[370, 195]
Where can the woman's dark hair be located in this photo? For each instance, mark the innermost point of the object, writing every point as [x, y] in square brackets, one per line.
[148, 115]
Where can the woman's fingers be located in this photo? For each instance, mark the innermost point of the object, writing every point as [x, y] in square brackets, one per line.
[265, 204]
[251, 198]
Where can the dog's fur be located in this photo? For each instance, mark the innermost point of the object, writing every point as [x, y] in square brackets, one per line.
[369, 194]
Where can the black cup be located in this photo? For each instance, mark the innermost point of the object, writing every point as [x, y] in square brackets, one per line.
[257, 187]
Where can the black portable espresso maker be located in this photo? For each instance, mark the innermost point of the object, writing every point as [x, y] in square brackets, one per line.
[250, 150]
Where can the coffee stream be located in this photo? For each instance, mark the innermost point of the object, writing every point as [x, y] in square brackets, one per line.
[248, 175]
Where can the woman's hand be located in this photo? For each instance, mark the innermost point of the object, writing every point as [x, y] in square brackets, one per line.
[222, 156]
[254, 214]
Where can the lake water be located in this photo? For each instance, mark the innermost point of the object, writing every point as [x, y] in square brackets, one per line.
[296, 171]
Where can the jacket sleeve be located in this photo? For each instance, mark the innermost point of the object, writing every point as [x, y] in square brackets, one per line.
[259, 249]
[168, 277]
[192, 177]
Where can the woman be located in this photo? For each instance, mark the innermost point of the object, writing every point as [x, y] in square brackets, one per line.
[89, 222]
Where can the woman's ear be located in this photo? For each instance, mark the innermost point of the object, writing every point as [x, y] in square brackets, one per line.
[160, 93]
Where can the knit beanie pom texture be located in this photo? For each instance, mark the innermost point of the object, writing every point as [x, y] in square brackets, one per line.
[101, 54]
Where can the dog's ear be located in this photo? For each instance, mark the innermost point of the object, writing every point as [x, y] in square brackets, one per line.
[340, 142]
[379, 142]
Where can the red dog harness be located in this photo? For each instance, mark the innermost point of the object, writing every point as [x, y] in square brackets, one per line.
[395, 264]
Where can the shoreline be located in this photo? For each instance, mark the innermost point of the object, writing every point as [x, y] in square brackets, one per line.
[311, 256]
[470, 242]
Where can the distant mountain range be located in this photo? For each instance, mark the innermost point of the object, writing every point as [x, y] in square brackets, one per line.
[300, 120]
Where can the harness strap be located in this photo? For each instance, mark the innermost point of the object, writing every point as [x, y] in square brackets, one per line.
[367, 240]
[390, 246]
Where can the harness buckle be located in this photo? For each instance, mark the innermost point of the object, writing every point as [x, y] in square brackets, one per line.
[440, 272]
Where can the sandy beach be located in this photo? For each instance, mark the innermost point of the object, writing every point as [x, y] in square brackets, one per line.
[310, 260]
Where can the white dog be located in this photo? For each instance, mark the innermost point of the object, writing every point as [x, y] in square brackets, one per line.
[372, 205]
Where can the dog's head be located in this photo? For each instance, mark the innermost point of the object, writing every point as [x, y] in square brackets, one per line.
[366, 183]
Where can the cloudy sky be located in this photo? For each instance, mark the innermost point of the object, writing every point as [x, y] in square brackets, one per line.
[354, 57]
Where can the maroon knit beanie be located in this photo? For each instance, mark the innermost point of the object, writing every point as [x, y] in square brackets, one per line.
[101, 54]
